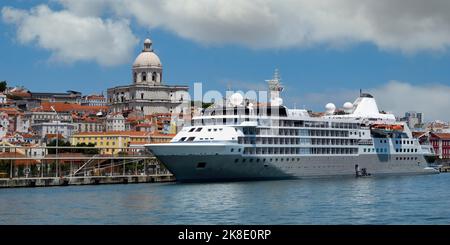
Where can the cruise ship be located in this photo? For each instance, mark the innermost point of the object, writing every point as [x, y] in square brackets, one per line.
[243, 141]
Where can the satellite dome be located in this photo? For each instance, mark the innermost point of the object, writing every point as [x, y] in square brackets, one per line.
[330, 108]
[348, 107]
[277, 102]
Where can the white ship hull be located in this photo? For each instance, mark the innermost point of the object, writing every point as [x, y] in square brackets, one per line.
[213, 162]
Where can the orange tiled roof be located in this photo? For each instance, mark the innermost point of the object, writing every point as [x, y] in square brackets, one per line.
[52, 136]
[18, 161]
[65, 107]
[441, 135]
[144, 125]
[95, 97]
[10, 111]
[20, 93]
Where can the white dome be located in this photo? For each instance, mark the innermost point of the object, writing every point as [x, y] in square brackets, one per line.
[147, 59]
[277, 102]
[348, 106]
[236, 99]
[330, 108]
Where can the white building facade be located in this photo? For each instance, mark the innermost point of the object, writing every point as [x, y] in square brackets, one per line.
[147, 93]
[115, 122]
[55, 127]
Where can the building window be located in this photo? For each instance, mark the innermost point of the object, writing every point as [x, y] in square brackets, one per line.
[144, 76]
[154, 76]
[142, 96]
[134, 77]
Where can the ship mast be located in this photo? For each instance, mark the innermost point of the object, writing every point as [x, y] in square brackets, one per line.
[275, 88]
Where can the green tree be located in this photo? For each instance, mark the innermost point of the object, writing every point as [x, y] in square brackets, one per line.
[3, 86]
[92, 151]
[60, 144]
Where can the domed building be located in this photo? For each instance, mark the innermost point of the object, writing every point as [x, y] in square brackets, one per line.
[147, 94]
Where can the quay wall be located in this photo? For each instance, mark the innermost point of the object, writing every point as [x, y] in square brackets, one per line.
[85, 180]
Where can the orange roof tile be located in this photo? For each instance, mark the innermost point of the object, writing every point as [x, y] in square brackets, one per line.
[65, 107]
[441, 135]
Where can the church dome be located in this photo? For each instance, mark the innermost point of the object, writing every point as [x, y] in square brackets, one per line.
[147, 58]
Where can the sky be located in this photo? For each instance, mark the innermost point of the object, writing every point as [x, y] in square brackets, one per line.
[326, 51]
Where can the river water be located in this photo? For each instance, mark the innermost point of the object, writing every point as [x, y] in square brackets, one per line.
[376, 200]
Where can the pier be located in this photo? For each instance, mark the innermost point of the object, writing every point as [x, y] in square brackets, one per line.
[63, 166]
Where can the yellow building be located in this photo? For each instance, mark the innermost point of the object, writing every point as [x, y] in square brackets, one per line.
[118, 141]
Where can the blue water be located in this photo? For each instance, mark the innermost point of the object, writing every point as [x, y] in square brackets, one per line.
[386, 200]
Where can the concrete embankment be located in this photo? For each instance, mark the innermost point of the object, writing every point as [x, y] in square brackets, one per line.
[84, 180]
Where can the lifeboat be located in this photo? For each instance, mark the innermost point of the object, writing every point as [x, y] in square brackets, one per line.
[388, 127]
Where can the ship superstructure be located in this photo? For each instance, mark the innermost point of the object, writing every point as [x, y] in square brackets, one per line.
[242, 141]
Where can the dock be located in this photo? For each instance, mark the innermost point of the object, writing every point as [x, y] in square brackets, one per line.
[64, 166]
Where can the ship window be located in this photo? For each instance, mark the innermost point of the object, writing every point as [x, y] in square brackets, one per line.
[198, 130]
[236, 160]
[201, 165]
[257, 160]
[191, 139]
[209, 130]
[182, 139]
[239, 150]
[251, 159]
[215, 129]
[243, 160]
[192, 130]
[232, 149]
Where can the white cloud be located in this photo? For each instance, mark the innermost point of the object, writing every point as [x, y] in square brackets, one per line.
[405, 25]
[395, 96]
[99, 30]
[71, 37]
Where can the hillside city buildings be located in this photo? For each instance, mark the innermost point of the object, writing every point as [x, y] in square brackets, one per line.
[147, 110]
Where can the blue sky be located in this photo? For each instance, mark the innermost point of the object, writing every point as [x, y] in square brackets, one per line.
[308, 68]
